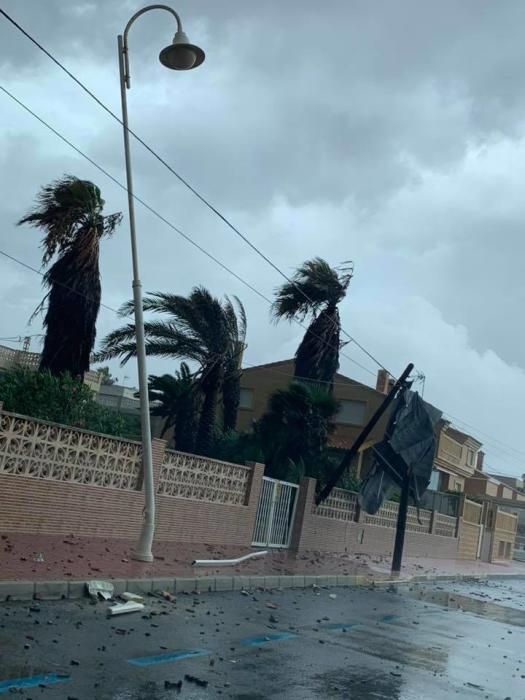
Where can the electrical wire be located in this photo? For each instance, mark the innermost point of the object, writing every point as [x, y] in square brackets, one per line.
[481, 432]
[185, 182]
[272, 370]
[192, 189]
[60, 284]
[159, 216]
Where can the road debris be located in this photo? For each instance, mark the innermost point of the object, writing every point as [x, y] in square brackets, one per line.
[198, 681]
[333, 596]
[104, 589]
[135, 597]
[173, 685]
[227, 562]
[272, 606]
[129, 607]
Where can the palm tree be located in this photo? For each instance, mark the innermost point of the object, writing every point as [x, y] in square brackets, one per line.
[314, 291]
[294, 430]
[231, 390]
[69, 211]
[200, 328]
[176, 399]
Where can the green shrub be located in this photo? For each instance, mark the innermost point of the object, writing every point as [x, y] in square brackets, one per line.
[63, 400]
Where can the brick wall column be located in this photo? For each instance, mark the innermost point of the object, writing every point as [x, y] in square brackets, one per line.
[303, 512]
[158, 448]
[255, 485]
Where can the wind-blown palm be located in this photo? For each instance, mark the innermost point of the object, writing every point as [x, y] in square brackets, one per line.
[231, 390]
[69, 211]
[315, 291]
[176, 398]
[200, 328]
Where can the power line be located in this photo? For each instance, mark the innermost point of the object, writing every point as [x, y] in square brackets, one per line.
[272, 370]
[60, 284]
[161, 218]
[185, 182]
[189, 240]
[481, 432]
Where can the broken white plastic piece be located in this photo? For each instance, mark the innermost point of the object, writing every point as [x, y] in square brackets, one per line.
[104, 589]
[227, 562]
[129, 607]
[135, 597]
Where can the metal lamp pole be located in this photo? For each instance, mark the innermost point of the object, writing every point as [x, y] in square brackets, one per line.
[179, 55]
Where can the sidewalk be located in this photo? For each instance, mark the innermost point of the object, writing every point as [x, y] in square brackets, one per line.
[70, 558]
[419, 566]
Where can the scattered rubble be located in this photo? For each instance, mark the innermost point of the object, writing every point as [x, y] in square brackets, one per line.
[129, 607]
[104, 589]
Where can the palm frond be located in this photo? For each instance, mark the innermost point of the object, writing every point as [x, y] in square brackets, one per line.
[314, 285]
[65, 208]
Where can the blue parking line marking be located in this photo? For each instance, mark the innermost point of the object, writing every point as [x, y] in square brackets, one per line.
[169, 656]
[389, 618]
[264, 638]
[32, 681]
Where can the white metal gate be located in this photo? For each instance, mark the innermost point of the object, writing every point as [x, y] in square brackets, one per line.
[275, 513]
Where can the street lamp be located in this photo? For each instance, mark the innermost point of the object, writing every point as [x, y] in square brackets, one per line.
[179, 55]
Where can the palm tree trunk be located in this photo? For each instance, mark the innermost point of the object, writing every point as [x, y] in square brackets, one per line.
[230, 401]
[211, 384]
[317, 357]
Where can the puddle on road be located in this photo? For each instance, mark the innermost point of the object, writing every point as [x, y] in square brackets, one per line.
[356, 685]
[482, 608]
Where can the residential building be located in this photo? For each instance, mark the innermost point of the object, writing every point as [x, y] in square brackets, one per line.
[481, 484]
[512, 481]
[358, 403]
[457, 458]
[119, 398]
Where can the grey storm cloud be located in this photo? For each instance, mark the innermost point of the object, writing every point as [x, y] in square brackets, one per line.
[390, 133]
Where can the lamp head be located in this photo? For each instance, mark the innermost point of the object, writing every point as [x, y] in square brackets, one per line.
[180, 54]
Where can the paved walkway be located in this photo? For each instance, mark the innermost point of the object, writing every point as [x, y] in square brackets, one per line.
[71, 558]
[414, 566]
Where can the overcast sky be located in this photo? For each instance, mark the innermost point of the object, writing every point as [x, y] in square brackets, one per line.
[387, 133]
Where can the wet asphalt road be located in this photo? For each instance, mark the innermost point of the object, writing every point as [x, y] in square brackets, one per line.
[434, 641]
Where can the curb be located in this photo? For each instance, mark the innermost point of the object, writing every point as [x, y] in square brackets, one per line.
[73, 590]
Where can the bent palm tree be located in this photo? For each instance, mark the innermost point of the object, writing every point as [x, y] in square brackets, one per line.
[315, 291]
[69, 211]
[231, 390]
[175, 398]
[199, 328]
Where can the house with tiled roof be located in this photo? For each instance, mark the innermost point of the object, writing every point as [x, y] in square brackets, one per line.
[358, 402]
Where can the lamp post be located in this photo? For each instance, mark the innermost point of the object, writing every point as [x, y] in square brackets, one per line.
[179, 55]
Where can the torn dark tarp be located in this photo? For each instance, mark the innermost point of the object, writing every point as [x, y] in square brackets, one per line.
[409, 444]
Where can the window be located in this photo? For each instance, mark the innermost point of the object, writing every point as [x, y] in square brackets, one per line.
[470, 458]
[246, 398]
[434, 481]
[351, 412]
